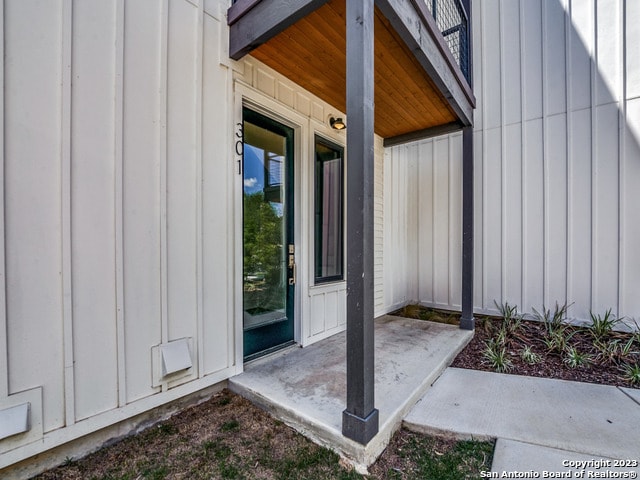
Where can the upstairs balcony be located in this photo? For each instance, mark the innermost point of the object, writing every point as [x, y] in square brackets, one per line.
[422, 68]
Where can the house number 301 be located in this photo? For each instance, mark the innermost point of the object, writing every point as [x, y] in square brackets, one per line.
[239, 146]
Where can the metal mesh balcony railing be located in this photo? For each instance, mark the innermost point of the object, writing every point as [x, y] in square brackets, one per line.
[452, 21]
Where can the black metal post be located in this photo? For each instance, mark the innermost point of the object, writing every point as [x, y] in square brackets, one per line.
[360, 419]
[467, 322]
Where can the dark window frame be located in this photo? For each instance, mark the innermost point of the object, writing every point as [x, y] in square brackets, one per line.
[318, 189]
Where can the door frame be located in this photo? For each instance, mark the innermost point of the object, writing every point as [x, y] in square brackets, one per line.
[248, 97]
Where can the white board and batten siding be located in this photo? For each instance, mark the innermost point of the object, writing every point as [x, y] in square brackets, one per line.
[423, 223]
[557, 165]
[117, 203]
[121, 205]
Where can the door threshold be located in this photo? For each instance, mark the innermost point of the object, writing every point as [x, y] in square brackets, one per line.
[271, 352]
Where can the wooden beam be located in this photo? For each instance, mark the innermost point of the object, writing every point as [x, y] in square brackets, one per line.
[261, 21]
[423, 134]
[415, 25]
[239, 9]
[360, 418]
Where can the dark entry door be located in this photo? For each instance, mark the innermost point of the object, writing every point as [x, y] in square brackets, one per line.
[268, 242]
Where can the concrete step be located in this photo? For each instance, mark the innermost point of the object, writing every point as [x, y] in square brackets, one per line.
[306, 387]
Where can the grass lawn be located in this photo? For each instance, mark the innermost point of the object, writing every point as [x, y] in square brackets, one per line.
[227, 437]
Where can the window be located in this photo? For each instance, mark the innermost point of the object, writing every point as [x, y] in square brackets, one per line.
[328, 208]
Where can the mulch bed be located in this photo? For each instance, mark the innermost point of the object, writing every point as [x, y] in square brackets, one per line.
[552, 365]
[605, 371]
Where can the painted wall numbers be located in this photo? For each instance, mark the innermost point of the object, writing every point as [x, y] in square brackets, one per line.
[239, 145]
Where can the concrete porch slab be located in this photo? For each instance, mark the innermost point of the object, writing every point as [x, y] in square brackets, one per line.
[306, 387]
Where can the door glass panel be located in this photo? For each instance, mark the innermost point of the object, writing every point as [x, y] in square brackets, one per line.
[267, 230]
[328, 212]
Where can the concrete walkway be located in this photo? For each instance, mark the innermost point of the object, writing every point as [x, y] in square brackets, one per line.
[541, 424]
[306, 387]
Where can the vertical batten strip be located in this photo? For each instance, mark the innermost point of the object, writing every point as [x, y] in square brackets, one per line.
[198, 189]
[4, 359]
[67, 294]
[478, 212]
[622, 155]
[433, 221]
[162, 150]
[237, 190]
[233, 280]
[523, 175]
[118, 133]
[503, 169]
[484, 173]
[545, 161]
[568, 152]
[450, 232]
[594, 145]
[420, 232]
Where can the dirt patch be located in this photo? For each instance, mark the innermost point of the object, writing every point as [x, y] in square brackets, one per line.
[225, 437]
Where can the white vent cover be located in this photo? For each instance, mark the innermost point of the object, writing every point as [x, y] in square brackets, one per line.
[175, 356]
[14, 420]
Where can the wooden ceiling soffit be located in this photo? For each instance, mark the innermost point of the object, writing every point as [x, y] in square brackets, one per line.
[311, 51]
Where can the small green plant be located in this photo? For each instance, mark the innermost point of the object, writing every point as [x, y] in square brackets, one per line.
[574, 358]
[155, 473]
[208, 445]
[614, 351]
[529, 356]
[552, 321]
[167, 429]
[217, 448]
[557, 340]
[230, 426]
[228, 471]
[496, 354]
[501, 336]
[602, 325]
[625, 350]
[511, 319]
[632, 374]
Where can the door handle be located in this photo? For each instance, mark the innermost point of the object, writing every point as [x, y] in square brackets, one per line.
[292, 279]
[292, 264]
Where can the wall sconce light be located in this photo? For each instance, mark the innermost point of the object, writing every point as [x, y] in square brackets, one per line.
[337, 123]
